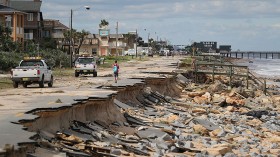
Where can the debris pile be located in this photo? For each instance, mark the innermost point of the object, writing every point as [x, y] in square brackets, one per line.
[206, 120]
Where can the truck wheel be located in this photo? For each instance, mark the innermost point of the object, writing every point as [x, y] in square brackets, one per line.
[50, 84]
[95, 74]
[15, 84]
[41, 83]
[24, 84]
[76, 74]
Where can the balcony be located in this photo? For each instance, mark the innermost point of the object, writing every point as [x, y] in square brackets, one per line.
[90, 42]
[28, 36]
[120, 44]
[19, 30]
[104, 43]
[57, 35]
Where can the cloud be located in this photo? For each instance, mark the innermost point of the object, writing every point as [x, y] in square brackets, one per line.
[226, 21]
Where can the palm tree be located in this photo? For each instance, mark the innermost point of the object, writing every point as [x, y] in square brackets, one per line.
[103, 23]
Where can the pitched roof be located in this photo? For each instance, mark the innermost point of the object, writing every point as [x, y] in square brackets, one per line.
[26, 5]
[5, 9]
[55, 24]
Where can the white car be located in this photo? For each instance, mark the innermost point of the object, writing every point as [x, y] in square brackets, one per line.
[130, 52]
[85, 65]
[32, 70]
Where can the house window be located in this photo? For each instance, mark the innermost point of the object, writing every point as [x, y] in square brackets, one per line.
[8, 20]
[8, 24]
[30, 17]
[47, 33]
[94, 51]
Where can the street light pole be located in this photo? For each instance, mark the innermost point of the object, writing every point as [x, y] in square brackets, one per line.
[148, 42]
[72, 48]
[71, 43]
[136, 43]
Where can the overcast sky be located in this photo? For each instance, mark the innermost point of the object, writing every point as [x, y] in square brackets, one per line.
[244, 24]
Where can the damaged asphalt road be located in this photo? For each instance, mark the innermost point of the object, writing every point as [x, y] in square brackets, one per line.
[159, 116]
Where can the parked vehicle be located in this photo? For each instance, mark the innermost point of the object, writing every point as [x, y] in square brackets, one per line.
[130, 52]
[32, 70]
[161, 53]
[150, 53]
[85, 64]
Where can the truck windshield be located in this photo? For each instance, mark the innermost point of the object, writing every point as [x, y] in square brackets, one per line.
[31, 63]
[85, 60]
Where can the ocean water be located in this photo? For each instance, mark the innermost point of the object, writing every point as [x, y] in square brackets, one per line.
[266, 68]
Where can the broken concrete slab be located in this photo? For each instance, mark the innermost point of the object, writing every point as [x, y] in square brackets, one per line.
[122, 105]
[42, 152]
[205, 123]
[149, 131]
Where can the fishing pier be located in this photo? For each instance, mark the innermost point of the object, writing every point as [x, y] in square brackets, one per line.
[252, 54]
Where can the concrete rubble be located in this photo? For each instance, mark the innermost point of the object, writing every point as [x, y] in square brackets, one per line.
[202, 120]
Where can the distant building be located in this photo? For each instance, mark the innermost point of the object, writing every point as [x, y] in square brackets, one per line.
[33, 20]
[207, 46]
[14, 19]
[224, 48]
[55, 29]
[90, 44]
[116, 48]
[4, 2]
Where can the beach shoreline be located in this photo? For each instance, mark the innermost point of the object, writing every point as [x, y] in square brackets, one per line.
[274, 80]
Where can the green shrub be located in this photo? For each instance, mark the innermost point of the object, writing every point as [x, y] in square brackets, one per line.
[54, 58]
[8, 60]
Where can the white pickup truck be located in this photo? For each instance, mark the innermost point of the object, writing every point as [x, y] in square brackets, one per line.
[85, 64]
[32, 70]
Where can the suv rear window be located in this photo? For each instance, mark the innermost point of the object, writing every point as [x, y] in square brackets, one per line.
[85, 60]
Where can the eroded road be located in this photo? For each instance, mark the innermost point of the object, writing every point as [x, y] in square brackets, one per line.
[149, 112]
[20, 104]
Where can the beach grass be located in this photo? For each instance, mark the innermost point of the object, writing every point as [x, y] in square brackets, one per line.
[6, 82]
[63, 72]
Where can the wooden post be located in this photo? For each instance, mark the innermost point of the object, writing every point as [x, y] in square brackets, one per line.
[213, 72]
[230, 75]
[242, 55]
[272, 55]
[247, 78]
[195, 71]
[266, 55]
[236, 55]
[264, 86]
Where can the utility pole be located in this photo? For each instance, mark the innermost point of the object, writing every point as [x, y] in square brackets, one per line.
[117, 39]
[136, 43]
[148, 42]
[71, 42]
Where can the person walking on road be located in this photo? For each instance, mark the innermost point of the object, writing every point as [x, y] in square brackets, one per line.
[116, 68]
